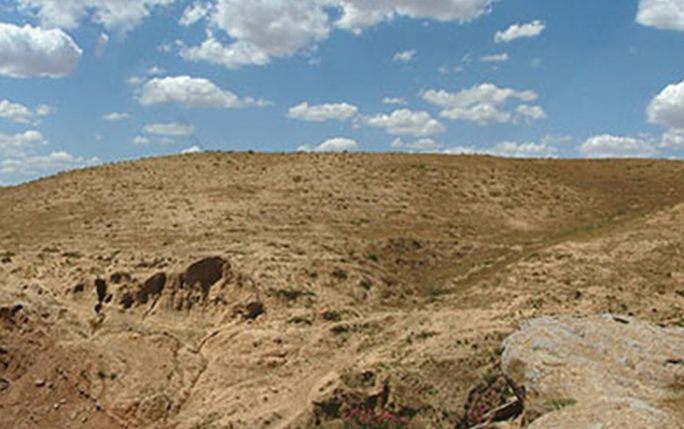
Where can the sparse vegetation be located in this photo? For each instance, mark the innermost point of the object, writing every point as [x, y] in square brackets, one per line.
[363, 418]
[340, 274]
[291, 294]
[558, 404]
[434, 292]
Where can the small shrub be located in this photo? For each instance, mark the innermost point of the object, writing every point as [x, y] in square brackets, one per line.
[558, 404]
[340, 274]
[434, 292]
[290, 294]
[359, 418]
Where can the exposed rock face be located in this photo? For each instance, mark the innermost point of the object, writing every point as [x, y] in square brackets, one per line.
[204, 273]
[152, 287]
[597, 372]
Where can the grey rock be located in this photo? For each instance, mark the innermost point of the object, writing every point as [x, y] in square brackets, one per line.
[597, 372]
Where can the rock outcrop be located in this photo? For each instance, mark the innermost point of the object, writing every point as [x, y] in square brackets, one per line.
[597, 372]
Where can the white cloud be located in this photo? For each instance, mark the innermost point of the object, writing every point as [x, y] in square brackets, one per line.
[17, 144]
[523, 150]
[406, 122]
[22, 114]
[496, 58]
[405, 56]
[18, 157]
[323, 112]
[661, 14]
[101, 44]
[484, 104]
[32, 51]
[464, 150]
[667, 108]
[155, 71]
[531, 113]
[337, 144]
[192, 149]
[45, 164]
[557, 139]
[673, 138]
[121, 15]
[359, 14]
[44, 110]
[394, 100]
[508, 149]
[517, 31]
[170, 130]
[140, 140]
[195, 13]
[187, 91]
[421, 145]
[609, 146]
[115, 116]
[262, 30]
[232, 56]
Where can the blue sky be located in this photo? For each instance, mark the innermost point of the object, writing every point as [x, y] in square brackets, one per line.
[90, 81]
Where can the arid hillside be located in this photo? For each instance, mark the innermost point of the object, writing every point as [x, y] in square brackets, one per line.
[245, 291]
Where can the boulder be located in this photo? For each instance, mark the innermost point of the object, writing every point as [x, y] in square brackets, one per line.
[597, 372]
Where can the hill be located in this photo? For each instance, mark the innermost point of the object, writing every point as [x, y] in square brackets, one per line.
[237, 290]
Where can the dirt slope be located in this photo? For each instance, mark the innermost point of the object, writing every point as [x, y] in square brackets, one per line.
[276, 291]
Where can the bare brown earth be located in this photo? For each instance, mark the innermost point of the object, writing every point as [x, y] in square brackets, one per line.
[333, 280]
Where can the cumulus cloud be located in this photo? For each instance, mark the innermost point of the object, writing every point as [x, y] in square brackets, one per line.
[195, 13]
[394, 100]
[667, 108]
[52, 163]
[115, 116]
[360, 14]
[323, 112]
[155, 71]
[661, 14]
[22, 114]
[523, 150]
[192, 149]
[609, 146]
[496, 58]
[187, 91]
[232, 56]
[18, 157]
[484, 104]
[420, 145]
[404, 56]
[33, 51]
[338, 144]
[531, 113]
[172, 129]
[112, 14]
[508, 149]
[141, 140]
[406, 122]
[18, 144]
[262, 30]
[673, 139]
[518, 31]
